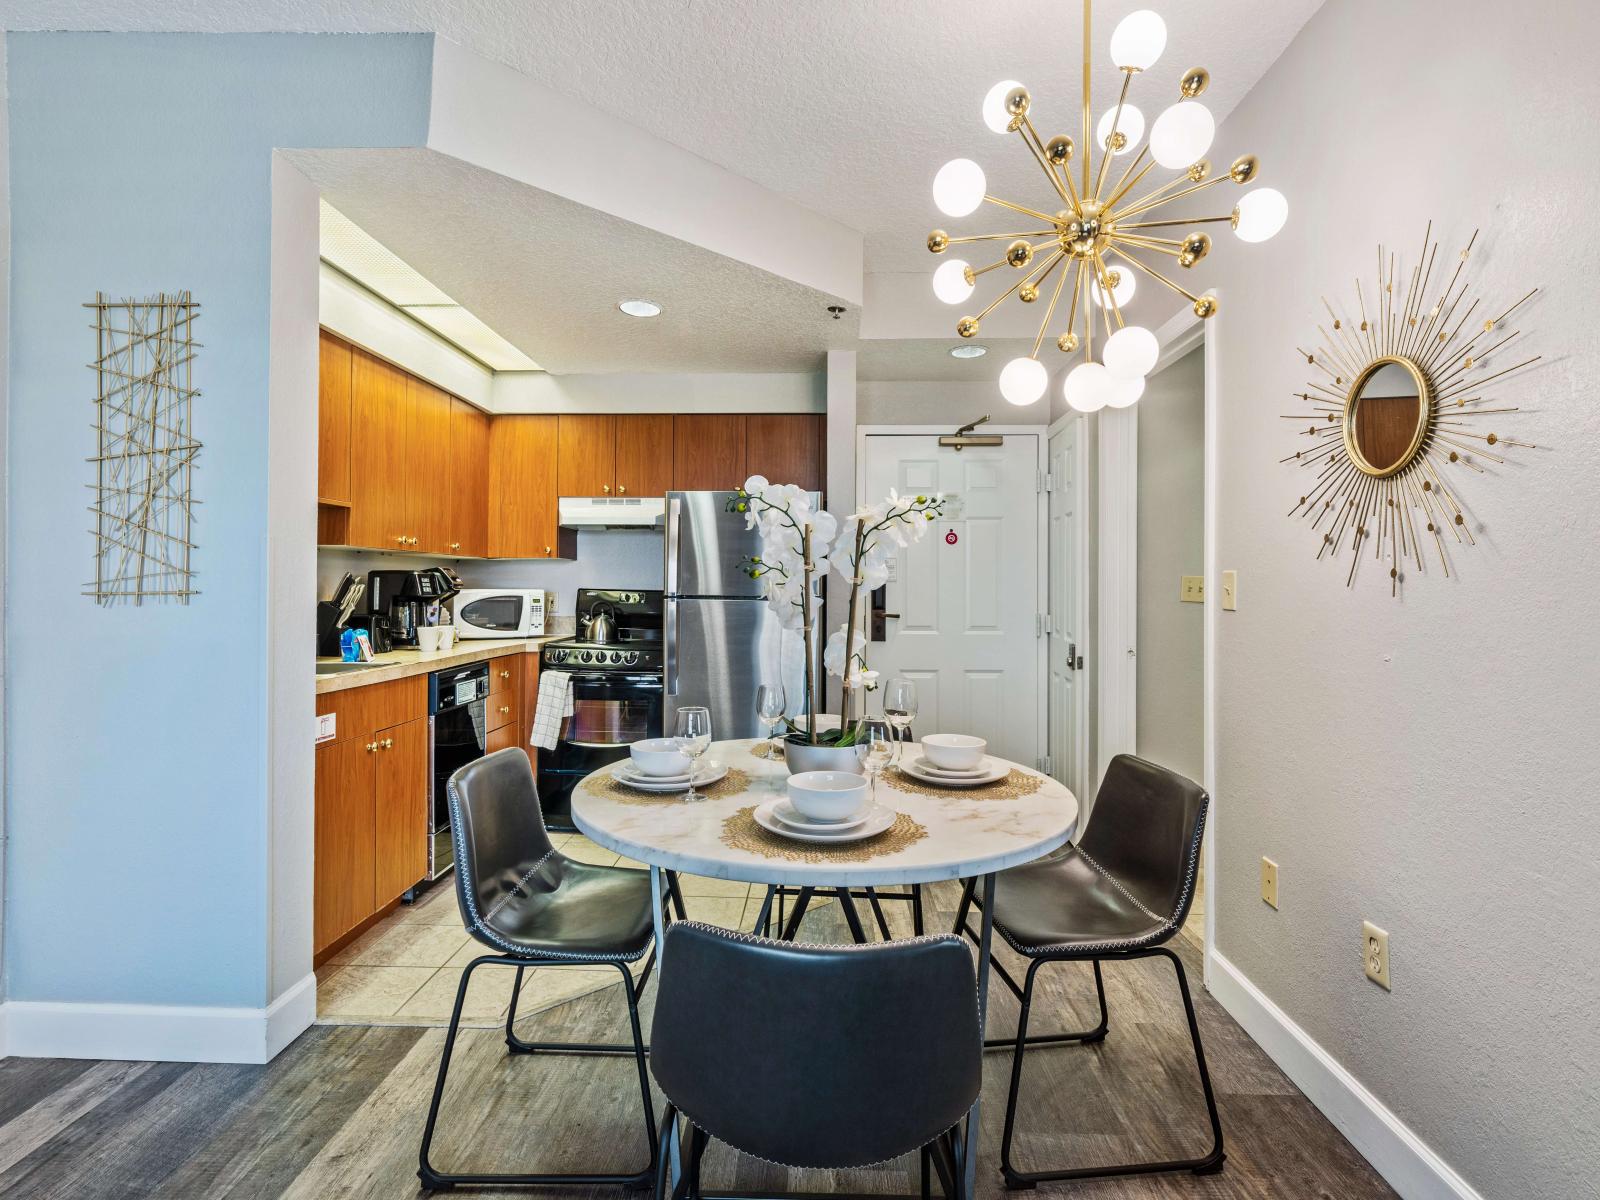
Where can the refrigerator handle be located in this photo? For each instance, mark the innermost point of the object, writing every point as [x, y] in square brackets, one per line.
[670, 634]
[674, 520]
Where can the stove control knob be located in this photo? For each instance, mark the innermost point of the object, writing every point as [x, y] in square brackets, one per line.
[586, 656]
[631, 658]
[616, 657]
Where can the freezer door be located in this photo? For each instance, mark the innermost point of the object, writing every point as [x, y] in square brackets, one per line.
[718, 653]
[708, 548]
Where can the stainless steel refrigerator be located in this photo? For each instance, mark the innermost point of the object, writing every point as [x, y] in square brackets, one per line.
[722, 639]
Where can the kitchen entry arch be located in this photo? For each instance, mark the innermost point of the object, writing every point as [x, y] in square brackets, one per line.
[963, 611]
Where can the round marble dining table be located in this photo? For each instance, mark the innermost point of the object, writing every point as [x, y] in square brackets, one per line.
[939, 834]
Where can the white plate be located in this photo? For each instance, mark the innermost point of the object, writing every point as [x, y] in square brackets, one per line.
[708, 775]
[791, 816]
[929, 767]
[878, 818]
[628, 772]
[996, 771]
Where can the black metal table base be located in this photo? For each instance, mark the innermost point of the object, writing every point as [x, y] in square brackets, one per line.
[847, 897]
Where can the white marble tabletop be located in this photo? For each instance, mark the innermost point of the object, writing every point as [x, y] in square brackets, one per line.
[966, 836]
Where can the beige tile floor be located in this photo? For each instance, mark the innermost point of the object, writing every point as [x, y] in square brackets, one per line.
[405, 970]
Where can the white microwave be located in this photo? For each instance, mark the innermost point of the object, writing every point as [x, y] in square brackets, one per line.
[500, 612]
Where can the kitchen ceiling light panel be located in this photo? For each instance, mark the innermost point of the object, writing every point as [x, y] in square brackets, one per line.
[353, 250]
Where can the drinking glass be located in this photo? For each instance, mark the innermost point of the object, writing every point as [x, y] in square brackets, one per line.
[770, 705]
[900, 709]
[694, 738]
[875, 750]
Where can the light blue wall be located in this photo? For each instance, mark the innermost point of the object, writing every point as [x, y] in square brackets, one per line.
[136, 738]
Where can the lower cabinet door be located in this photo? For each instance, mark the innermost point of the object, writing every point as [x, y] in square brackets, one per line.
[506, 735]
[401, 810]
[342, 896]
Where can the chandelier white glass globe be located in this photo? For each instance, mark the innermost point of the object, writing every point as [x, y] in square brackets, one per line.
[995, 115]
[950, 282]
[1023, 380]
[1131, 352]
[1261, 213]
[1072, 253]
[1138, 40]
[1182, 135]
[1129, 125]
[959, 187]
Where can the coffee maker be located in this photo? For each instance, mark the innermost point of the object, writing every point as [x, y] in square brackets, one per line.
[397, 602]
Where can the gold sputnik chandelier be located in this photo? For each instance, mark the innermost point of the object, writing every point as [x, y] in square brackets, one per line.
[1093, 231]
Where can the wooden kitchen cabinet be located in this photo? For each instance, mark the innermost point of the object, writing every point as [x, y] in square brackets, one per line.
[586, 454]
[523, 491]
[708, 451]
[643, 454]
[786, 448]
[381, 421]
[333, 421]
[469, 480]
[345, 853]
[427, 444]
[400, 810]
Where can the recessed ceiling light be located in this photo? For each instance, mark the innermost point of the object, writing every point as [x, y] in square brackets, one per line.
[968, 351]
[640, 308]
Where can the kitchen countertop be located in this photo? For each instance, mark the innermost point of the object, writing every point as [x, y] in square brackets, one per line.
[402, 664]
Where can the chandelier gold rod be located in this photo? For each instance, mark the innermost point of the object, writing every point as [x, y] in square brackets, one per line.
[983, 270]
[1087, 275]
[1147, 203]
[1057, 257]
[1106, 151]
[1072, 309]
[1173, 221]
[1110, 295]
[1125, 185]
[1030, 139]
[1154, 274]
[1031, 212]
[995, 237]
[1050, 311]
[1087, 101]
[1071, 194]
[1162, 245]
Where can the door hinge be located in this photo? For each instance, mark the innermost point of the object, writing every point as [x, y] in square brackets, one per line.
[1039, 624]
[1042, 765]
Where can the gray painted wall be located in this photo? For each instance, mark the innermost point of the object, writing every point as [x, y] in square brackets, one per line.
[1429, 763]
[1171, 544]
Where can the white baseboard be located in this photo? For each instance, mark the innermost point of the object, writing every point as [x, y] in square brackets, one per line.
[1408, 1163]
[161, 1033]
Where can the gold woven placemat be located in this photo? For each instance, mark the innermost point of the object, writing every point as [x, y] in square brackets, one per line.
[1014, 786]
[761, 750]
[608, 787]
[740, 832]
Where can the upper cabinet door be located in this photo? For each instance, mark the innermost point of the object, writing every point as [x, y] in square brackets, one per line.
[380, 423]
[708, 451]
[586, 454]
[469, 480]
[522, 487]
[786, 448]
[428, 469]
[644, 455]
[333, 421]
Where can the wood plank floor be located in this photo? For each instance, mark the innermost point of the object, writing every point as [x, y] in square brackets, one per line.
[339, 1114]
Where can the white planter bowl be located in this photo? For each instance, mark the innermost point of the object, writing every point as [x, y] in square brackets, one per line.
[659, 756]
[828, 795]
[954, 751]
[802, 756]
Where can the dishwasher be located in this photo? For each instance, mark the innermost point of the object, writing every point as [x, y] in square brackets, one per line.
[457, 716]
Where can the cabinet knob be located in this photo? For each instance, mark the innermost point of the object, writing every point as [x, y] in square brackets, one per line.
[372, 747]
[455, 545]
[387, 743]
[547, 551]
[504, 708]
[606, 488]
[621, 491]
[505, 674]
[401, 539]
[413, 541]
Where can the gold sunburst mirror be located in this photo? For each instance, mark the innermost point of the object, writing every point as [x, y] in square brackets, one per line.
[1403, 402]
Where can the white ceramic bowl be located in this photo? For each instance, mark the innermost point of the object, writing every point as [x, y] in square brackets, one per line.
[955, 751]
[828, 795]
[659, 756]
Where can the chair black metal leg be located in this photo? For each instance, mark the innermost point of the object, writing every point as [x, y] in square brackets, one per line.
[877, 912]
[511, 1013]
[669, 1127]
[926, 1161]
[434, 1180]
[1019, 1044]
[1207, 1164]
[916, 909]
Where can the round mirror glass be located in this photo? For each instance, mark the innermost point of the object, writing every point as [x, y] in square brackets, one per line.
[1386, 416]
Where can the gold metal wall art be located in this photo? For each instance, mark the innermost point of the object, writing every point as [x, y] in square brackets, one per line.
[1403, 405]
[1099, 234]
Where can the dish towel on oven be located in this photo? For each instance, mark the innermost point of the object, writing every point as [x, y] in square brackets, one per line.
[553, 706]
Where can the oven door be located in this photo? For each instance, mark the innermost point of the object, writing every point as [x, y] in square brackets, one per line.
[458, 738]
[609, 712]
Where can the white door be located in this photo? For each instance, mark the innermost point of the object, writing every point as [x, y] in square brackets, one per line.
[967, 597]
[1068, 567]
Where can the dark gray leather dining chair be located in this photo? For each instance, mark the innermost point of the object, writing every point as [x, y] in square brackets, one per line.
[816, 1056]
[1120, 892]
[531, 906]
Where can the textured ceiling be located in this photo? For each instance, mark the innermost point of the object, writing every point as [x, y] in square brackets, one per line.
[546, 273]
[928, 360]
[845, 106]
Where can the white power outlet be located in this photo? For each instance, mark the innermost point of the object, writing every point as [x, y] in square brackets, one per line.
[1269, 882]
[1375, 954]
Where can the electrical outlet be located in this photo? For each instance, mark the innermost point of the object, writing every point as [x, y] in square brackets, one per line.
[1193, 589]
[1230, 590]
[1269, 882]
[1375, 954]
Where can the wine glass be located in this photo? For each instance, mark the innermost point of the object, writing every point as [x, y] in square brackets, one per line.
[900, 709]
[875, 750]
[694, 739]
[770, 705]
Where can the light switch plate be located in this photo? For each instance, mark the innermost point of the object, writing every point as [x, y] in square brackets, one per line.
[1230, 590]
[1375, 954]
[1193, 589]
[1269, 882]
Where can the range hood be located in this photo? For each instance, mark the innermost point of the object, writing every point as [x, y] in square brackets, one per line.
[608, 512]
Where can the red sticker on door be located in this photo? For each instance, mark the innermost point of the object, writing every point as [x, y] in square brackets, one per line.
[950, 538]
